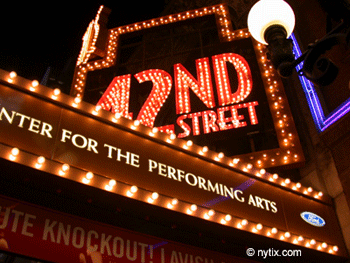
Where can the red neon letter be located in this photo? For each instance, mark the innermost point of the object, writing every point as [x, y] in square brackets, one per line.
[209, 119]
[202, 87]
[252, 112]
[222, 120]
[161, 88]
[195, 122]
[223, 86]
[116, 96]
[237, 118]
[186, 128]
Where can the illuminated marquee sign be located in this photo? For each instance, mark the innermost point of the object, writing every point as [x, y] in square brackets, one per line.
[38, 129]
[225, 95]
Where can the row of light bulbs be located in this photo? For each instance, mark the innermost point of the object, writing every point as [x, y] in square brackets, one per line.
[290, 149]
[132, 191]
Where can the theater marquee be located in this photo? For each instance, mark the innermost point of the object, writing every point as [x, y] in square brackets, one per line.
[191, 75]
[38, 128]
[157, 152]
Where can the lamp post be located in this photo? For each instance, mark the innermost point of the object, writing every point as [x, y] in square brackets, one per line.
[271, 22]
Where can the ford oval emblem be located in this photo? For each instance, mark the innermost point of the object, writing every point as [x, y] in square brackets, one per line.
[313, 219]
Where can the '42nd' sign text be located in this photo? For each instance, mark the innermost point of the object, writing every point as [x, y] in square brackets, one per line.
[116, 97]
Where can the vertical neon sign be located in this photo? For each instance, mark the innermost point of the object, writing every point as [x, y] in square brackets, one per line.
[321, 121]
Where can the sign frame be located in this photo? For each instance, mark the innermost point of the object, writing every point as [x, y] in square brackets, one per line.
[289, 152]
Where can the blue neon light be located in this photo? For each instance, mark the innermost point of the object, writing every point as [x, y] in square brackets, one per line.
[321, 121]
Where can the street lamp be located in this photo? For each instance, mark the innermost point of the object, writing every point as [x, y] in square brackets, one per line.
[271, 22]
[270, 15]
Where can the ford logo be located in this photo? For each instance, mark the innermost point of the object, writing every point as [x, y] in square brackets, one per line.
[313, 219]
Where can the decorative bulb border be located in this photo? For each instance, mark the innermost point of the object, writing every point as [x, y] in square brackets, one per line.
[289, 151]
[154, 198]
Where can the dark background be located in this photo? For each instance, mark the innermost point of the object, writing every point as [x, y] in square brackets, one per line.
[38, 35]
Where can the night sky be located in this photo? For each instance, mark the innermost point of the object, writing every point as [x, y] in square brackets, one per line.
[35, 36]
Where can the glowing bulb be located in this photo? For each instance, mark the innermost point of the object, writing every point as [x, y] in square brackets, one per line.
[89, 175]
[55, 93]
[135, 125]
[189, 143]
[155, 195]
[13, 154]
[35, 83]
[236, 160]
[172, 203]
[110, 185]
[39, 162]
[112, 182]
[12, 76]
[76, 101]
[228, 217]
[204, 150]
[211, 212]
[116, 117]
[65, 167]
[97, 109]
[133, 189]
[193, 207]
[154, 131]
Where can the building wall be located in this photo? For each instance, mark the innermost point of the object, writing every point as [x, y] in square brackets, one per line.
[328, 164]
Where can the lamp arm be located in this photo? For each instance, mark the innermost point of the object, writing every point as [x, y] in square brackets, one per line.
[326, 70]
[321, 70]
